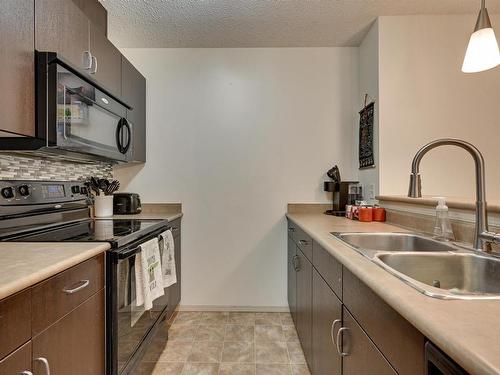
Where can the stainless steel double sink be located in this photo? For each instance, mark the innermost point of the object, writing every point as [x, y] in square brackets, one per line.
[437, 269]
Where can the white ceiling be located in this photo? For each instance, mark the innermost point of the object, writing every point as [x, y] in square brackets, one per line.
[261, 23]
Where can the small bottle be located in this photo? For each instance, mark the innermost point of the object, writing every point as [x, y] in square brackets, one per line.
[442, 228]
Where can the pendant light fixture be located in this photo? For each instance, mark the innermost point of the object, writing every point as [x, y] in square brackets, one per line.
[482, 52]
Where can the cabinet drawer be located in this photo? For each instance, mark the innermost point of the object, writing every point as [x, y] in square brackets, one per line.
[60, 294]
[400, 342]
[15, 321]
[18, 361]
[304, 242]
[363, 356]
[328, 267]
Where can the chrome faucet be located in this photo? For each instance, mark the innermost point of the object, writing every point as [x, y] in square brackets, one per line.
[482, 236]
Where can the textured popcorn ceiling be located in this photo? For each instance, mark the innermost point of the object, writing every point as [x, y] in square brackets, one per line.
[261, 23]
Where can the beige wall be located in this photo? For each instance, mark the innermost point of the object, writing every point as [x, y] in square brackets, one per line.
[368, 84]
[235, 135]
[423, 95]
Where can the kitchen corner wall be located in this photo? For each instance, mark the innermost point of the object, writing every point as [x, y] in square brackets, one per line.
[17, 167]
[235, 135]
[423, 96]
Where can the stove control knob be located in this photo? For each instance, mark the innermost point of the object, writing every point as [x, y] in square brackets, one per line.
[75, 189]
[24, 190]
[83, 190]
[7, 193]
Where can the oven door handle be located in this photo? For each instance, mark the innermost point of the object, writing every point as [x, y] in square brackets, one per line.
[129, 252]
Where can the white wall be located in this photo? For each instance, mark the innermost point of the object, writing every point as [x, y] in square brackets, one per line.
[368, 84]
[424, 96]
[236, 134]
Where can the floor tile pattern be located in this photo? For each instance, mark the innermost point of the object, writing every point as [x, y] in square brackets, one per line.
[227, 343]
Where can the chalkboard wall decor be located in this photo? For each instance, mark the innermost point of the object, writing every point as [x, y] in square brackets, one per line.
[366, 157]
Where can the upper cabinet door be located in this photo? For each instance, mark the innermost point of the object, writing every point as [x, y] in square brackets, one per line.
[60, 26]
[17, 75]
[107, 61]
[134, 94]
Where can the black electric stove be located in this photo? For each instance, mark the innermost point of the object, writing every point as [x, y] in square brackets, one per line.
[56, 211]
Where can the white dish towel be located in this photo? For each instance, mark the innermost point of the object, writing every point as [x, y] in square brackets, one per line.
[168, 271]
[148, 277]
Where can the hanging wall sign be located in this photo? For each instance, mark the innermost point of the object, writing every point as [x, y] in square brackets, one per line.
[366, 157]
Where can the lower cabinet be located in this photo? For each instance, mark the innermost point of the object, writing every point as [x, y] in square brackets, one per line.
[292, 278]
[304, 304]
[360, 355]
[18, 362]
[343, 326]
[326, 320]
[174, 291]
[74, 344]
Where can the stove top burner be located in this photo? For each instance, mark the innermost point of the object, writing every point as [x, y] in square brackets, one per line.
[114, 231]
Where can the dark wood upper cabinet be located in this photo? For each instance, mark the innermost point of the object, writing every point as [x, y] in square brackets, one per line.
[17, 75]
[362, 357]
[95, 12]
[74, 344]
[134, 94]
[327, 319]
[107, 63]
[60, 26]
[304, 304]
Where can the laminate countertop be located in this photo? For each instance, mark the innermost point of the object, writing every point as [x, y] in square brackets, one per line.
[467, 330]
[23, 264]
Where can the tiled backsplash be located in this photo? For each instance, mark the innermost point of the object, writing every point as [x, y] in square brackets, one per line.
[14, 167]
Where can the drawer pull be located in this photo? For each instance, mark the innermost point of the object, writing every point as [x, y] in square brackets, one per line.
[296, 263]
[304, 242]
[340, 335]
[291, 229]
[332, 330]
[26, 373]
[45, 363]
[81, 285]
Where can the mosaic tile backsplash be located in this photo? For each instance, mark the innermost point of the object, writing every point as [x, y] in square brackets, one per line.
[14, 167]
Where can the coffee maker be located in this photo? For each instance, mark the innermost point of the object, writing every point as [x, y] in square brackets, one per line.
[344, 192]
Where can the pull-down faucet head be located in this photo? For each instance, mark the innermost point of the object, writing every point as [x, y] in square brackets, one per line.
[482, 235]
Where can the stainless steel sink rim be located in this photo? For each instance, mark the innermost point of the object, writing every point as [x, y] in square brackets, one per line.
[423, 288]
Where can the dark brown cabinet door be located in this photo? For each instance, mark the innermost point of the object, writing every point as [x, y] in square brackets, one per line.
[17, 362]
[75, 344]
[292, 279]
[326, 320]
[17, 75]
[362, 357]
[304, 305]
[134, 94]
[60, 26]
[107, 64]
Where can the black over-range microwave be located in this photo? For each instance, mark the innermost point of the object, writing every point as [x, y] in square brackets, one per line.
[76, 118]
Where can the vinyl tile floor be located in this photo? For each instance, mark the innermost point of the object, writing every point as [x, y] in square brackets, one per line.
[227, 343]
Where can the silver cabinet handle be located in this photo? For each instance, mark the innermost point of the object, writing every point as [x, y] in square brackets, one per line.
[94, 63]
[303, 242]
[332, 329]
[296, 263]
[339, 334]
[26, 373]
[87, 60]
[45, 363]
[82, 285]
[291, 229]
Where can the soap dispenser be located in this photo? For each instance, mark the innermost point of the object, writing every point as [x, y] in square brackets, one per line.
[442, 228]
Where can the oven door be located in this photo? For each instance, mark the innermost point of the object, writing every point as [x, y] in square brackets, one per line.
[89, 121]
[128, 324]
